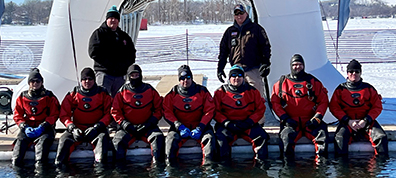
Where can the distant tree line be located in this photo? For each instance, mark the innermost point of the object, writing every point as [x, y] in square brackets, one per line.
[190, 11]
[360, 8]
[33, 12]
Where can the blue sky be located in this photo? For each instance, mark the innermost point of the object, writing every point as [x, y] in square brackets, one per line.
[15, 1]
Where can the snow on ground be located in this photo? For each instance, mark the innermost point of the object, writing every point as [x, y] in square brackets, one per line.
[380, 75]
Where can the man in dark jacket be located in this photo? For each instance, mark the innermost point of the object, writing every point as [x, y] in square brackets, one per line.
[239, 107]
[113, 52]
[356, 104]
[85, 112]
[189, 108]
[36, 111]
[300, 101]
[137, 108]
[246, 44]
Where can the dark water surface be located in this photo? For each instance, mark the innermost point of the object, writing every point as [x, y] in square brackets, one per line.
[304, 165]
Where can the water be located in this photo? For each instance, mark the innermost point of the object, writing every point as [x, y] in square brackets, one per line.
[304, 165]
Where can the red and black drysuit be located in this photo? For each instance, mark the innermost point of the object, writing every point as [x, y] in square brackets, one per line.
[238, 110]
[357, 101]
[193, 108]
[301, 103]
[138, 110]
[87, 110]
[31, 110]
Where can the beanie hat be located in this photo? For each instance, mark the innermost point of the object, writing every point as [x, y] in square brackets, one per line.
[354, 65]
[184, 70]
[87, 73]
[295, 73]
[136, 82]
[236, 69]
[113, 12]
[134, 69]
[297, 58]
[35, 75]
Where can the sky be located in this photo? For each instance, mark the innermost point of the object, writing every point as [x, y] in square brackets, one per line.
[15, 1]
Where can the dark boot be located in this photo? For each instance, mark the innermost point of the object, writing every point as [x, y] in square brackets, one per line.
[43, 145]
[120, 142]
[157, 142]
[101, 143]
[21, 145]
[172, 145]
[66, 141]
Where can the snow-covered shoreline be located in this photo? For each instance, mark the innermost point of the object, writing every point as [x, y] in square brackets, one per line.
[380, 75]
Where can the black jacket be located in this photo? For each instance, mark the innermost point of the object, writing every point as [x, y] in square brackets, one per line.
[247, 45]
[112, 51]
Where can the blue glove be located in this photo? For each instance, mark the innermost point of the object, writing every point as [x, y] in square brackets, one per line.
[34, 132]
[29, 132]
[196, 133]
[184, 131]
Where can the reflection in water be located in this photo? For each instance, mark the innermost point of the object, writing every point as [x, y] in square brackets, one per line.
[303, 165]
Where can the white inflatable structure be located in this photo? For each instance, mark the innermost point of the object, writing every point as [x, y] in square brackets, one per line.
[58, 66]
[293, 26]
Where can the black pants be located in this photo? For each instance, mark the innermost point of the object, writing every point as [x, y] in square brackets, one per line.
[67, 145]
[289, 136]
[376, 135]
[154, 137]
[174, 141]
[41, 148]
[256, 135]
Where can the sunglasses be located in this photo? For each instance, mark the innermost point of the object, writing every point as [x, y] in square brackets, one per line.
[88, 78]
[239, 13]
[235, 75]
[354, 70]
[184, 77]
[35, 81]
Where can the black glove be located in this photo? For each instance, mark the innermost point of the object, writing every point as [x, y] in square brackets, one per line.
[368, 120]
[232, 126]
[287, 121]
[313, 123]
[291, 123]
[92, 132]
[264, 70]
[345, 120]
[245, 124]
[77, 133]
[220, 75]
[150, 123]
[128, 127]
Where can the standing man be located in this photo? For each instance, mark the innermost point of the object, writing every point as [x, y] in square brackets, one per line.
[246, 44]
[137, 108]
[356, 104]
[300, 101]
[189, 108]
[113, 52]
[36, 112]
[85, 112]
[239, 107]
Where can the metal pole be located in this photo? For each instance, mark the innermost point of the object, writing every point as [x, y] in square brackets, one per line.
[187, 44]
[338, 28]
